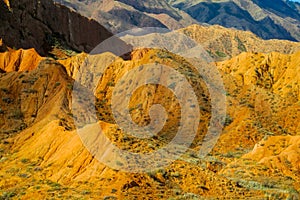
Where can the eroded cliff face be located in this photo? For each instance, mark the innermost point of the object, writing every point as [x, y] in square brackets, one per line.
[42, 24]
[19, 60]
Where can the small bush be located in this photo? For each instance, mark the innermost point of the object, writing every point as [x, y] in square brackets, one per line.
[54, 185]
[228, 120]
[230, 154]
[85, 192]
[24, 160]
[119, 163]
[7, 100]
[5, 90]
[30, 91]
[8, 195]
[21, 76]
[17, 114]
[57, 84]
[221, 54]
[111, 84]
[70, 86]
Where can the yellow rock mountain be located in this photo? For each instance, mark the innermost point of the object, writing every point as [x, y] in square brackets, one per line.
[42, 156]
[19, 60]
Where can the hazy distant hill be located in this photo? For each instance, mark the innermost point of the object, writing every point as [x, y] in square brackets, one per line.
[118, 16]
[280, 20]
[265, 18]
[293, 5]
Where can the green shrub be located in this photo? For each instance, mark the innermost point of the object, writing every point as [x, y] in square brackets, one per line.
[57, 84]
[24, 160]
[7, 100]
[228, 120]
[8, 195]
[17, 114]
[221, 54]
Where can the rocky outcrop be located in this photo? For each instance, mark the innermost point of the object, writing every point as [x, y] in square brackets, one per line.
[19, 60]
[30, 96]
[42, 24]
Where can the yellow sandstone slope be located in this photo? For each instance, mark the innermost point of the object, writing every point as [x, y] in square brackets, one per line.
[263, 98]
[51, 158]
[42, 156]
[224, 43]
[19, 60]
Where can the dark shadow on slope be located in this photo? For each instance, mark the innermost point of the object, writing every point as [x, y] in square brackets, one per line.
[230, 15]
[30, 24]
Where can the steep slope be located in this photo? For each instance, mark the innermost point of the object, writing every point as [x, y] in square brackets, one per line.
[266, 19]
[260, 143]
[31, 24]
[25, 95]
[280, 13]
[263, 90]
[62, 168]
[274, 72]
[19, 60]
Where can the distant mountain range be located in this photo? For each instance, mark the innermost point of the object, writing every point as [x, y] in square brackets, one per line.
[118, 16]
[280, 20]
[265, 18]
